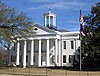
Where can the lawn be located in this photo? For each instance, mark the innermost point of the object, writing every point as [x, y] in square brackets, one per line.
[46, 72]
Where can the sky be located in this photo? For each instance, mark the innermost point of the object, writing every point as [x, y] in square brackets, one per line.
[67, 11]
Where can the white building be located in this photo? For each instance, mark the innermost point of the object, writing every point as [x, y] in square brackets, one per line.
[50, 46]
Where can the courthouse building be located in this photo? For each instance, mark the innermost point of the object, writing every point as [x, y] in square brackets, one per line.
[49, 46]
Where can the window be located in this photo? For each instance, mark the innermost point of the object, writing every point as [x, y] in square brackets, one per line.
[72, 44]
[34, 59]
[27, 59]
[20, 59]
[64, 58]
[64, 44]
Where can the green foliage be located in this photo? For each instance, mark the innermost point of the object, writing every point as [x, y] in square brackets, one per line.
[2, 58]
[91, 42]
[12, 23]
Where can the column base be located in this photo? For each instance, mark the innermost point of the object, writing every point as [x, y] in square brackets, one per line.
[24, 66]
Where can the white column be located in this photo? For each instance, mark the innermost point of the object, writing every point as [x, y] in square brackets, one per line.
[17, 55]
[24, 55]
[49, 21]
[39, 55]
[59, 52]
[54, 21]
[62, 53]
[32, 52]
[48, 60]
[56, 49]
[45, 20]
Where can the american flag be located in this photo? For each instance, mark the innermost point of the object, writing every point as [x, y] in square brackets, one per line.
[81, 24]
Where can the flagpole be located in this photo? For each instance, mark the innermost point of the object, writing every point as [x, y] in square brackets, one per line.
[80, 44]
[80, 54]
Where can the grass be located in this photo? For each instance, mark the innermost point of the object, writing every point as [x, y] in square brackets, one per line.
[46, 72]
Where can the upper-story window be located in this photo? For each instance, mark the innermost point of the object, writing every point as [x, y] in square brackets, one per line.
[64, 44]
[72, 44]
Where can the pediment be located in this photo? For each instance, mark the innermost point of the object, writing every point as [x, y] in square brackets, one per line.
[40, 29]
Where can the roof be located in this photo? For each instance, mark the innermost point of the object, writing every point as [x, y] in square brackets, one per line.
[50, 29]
[49, 12]
[44, 28]
[62, 30]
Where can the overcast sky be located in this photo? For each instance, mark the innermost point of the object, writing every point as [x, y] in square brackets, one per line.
[67, 11]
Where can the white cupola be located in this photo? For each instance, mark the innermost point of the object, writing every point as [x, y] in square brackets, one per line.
[50, 19]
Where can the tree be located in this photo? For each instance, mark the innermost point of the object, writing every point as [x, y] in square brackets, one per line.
[91, 42]
[12, 23]
[2, 58]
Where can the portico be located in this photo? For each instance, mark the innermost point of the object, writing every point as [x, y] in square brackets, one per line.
[40, 53]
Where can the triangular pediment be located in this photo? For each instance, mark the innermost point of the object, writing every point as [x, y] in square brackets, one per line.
[40, 29]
